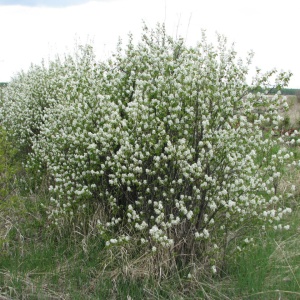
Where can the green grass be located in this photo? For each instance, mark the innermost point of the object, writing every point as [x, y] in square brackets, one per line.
[270, 269]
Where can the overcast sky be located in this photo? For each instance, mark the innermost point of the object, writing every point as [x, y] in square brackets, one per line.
[35, 29]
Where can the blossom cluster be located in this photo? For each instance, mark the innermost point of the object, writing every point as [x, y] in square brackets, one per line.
[168, 139]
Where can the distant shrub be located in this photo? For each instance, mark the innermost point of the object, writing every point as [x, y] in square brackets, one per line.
[25, 99]
[166, 138]
[290, 92]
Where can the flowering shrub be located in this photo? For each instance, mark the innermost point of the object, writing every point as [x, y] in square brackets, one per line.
[170, 140]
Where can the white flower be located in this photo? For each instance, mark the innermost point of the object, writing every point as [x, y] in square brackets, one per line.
[214, 269]
[205, 233]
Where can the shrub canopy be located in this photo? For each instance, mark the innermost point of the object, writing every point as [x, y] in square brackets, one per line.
[171, 141]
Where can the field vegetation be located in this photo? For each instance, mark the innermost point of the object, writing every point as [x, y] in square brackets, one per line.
[157, 174]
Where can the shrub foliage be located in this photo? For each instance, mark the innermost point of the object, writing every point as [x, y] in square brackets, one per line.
[169, 140]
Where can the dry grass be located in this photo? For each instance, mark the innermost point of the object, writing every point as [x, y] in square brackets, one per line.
[31, 289]
[294, 112]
